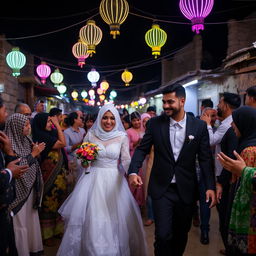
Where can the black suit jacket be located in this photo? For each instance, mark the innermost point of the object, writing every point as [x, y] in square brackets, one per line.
[164, 165]
[228, 144]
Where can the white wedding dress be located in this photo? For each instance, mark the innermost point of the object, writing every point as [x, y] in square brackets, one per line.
[101, 216]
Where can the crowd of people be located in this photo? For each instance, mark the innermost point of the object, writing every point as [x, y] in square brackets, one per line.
[170, 168]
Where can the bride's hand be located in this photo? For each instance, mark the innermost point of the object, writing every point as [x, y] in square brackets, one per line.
[135, 180]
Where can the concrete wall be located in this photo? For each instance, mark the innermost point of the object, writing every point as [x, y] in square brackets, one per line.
[241, 34]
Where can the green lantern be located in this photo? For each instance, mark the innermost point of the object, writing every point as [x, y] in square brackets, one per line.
[56, 77]
[16, 60]
[156, 38]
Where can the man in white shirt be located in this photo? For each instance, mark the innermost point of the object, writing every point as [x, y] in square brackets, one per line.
[227, 104]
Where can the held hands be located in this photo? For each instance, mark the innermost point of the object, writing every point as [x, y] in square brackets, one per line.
[135, 180]
[37, 148]
[17, 170]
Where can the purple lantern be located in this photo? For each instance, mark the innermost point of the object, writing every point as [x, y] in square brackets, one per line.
[196, 11]
[43, 71]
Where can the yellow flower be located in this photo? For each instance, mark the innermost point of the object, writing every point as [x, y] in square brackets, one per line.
[60, 182]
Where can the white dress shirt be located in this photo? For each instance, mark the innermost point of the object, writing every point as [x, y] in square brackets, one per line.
[215, 140]
[177, 137]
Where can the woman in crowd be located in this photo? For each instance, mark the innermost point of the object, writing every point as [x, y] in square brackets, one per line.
[135, 135]
[101, 214]
[89, 121]
[242, 225]
[54, 170]
[126, 122]
[146, 169]
[74, 136]
[29, 187]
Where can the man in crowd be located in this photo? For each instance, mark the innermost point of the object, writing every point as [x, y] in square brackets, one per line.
[23, 108]
[227, 104]
[39, 107]
[9, 171]
[250, 97]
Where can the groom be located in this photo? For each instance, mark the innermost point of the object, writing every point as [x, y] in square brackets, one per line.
[177, 139]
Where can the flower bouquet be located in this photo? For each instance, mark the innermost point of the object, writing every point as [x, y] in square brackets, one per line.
[87, 152]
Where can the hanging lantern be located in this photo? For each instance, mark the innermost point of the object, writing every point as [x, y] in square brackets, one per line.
[16, 60]
[91, 35]
[84, 94]
[102, 97]
[127, 77]
[79, 50]
[74, 95]
[113, 94]
[156, 38]
[61, 88]
[93, 76]
[91, 93]
[43, 71]
[104, 85]
[196, 11]
[56, 77]
[99, 91]
[114, 13]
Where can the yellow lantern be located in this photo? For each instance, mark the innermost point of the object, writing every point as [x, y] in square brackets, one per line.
[74, 95]
[104, 85]
[91, 35]
[79, 50]
[114, 13]
[102, 97]
[156, 38]
[127, 77]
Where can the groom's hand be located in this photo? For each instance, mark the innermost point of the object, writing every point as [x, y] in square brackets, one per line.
[135, 180]
[211, 196]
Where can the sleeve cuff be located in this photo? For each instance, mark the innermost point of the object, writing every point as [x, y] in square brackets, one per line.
[133, 173]
[10, 173]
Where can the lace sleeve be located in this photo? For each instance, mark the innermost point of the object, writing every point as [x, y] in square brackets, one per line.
[125, 154]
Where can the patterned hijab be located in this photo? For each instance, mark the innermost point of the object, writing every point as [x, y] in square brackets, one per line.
[142, 117]
[22, 147]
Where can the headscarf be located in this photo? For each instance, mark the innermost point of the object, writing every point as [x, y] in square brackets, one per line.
[245, 120]
[22, 147]
[39, 134]
[117, 131]
[142, 117]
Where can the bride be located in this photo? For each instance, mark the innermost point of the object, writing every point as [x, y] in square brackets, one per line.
[101, 215]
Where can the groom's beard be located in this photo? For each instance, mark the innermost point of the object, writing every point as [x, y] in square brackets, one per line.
[171, 112]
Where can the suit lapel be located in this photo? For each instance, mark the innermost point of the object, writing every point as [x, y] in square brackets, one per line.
[190, 128]
[165, 129]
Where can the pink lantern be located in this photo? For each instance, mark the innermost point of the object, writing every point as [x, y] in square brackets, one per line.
[196, 11]
[43, 71]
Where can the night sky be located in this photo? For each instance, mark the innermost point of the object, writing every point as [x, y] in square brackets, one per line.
[129, 49]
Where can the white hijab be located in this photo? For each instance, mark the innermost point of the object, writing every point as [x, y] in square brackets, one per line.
[117, 131]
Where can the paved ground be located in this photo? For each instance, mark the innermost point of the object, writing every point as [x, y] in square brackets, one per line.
[194, 247]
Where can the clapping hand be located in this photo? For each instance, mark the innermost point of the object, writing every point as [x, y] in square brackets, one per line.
[17, 170]
[234, 166]
[37, 149]
[6, 144]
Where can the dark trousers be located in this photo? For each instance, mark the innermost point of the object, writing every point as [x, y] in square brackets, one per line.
[205, 211]
[7, 239]
[223, 211]
[172, 223]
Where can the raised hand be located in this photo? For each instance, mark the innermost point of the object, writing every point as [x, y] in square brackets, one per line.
[6, 144]
[234, 166]
[37, 149]
[17, 170]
